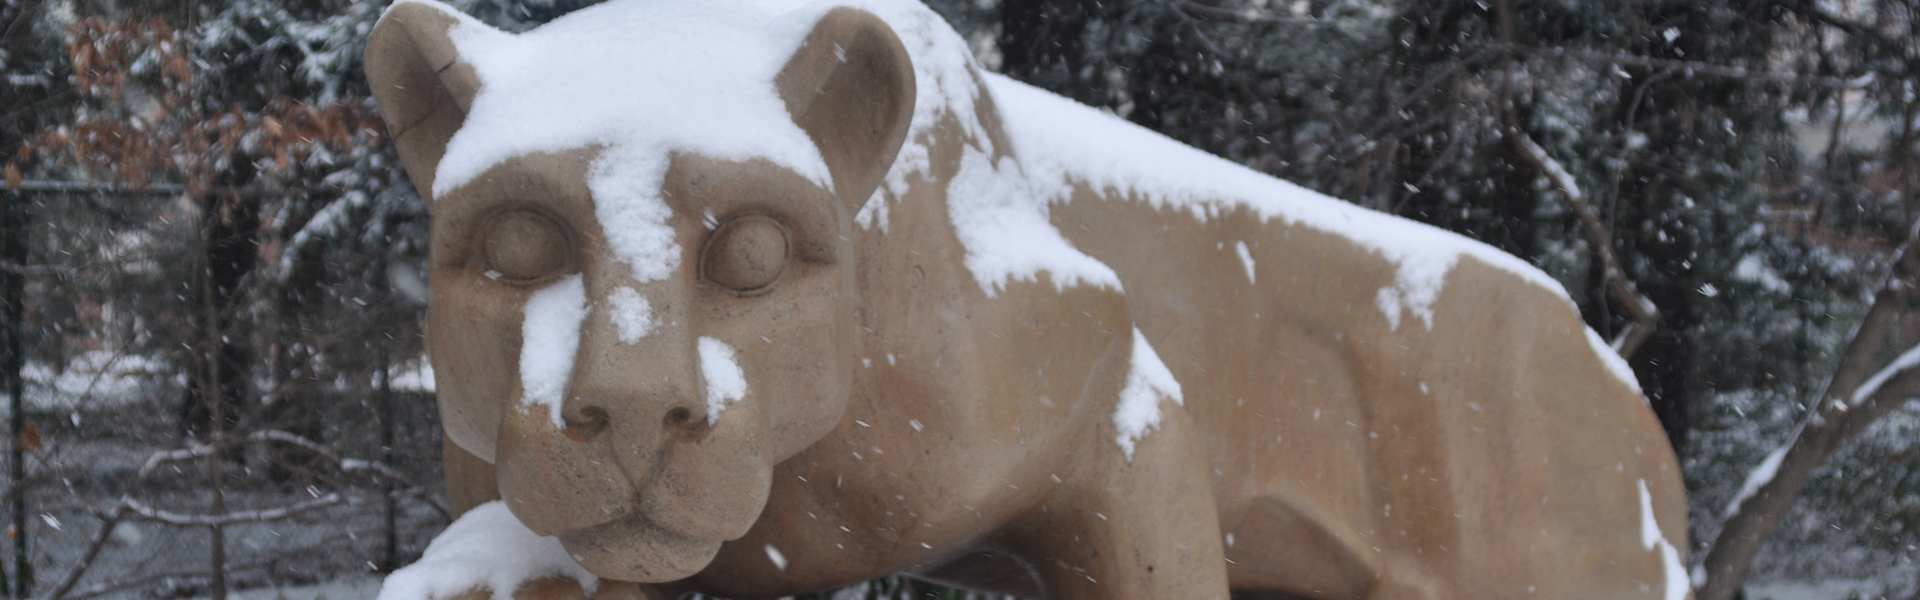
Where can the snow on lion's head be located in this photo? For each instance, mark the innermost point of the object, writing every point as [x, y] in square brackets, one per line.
[641, 260]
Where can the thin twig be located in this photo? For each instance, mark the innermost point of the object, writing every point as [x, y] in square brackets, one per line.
[1645, 315]
[201, 450]
[107, 524]
[1690, 67]
[1212, 48]
[245, 516]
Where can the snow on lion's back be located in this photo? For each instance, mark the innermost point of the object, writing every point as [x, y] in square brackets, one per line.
[642, 79]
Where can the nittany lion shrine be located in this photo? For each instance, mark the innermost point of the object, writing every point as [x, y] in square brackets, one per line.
[754, 298]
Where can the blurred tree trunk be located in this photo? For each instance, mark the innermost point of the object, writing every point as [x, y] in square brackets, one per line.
[27, 106]
[231, 219]
[13, 293]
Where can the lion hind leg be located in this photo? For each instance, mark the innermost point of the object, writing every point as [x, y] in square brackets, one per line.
[1289, 550]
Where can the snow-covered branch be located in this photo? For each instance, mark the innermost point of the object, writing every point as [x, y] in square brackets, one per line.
[350, 465]
[346, 464]
[149, 513]
[155, 460]
[1645, 315]
[1851, 402]
[1905, 361]
[1759, 476]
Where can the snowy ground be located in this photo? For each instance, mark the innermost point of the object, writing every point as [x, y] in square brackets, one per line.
[1838, 589]
[366, 588]
[361, 588]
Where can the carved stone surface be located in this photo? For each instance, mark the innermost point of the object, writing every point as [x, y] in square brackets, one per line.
[982, 336]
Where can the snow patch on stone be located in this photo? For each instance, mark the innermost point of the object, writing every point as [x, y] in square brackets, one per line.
[725, 382]
[1611, 358]
[944, 85]
[631, 313]
[550, 336]
[1060, 142]
[1246, 259]
[874, 212]
[1759, 477]
[1148, 382]
[1002, 223]
[549, 90]
[1416, 287]
[552, 90]
[485, 549]
[1650, 536]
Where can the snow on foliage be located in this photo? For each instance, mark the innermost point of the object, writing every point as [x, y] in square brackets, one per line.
[486, 549]
[1148, 382]
[414, 376]
[550, 335]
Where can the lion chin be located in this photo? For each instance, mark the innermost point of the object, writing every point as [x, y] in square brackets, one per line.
[635, 549]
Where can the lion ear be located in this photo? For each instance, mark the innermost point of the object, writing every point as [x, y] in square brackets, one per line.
[851, 88]
[422, 86]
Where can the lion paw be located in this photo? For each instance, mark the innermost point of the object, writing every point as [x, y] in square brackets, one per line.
[487, 554]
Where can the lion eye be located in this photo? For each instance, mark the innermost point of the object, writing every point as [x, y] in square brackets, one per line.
[745, 254]
[525, 246]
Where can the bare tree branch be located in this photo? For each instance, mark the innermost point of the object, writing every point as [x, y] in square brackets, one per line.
[1645, 315]
[107, 524]
[197, 451]
[1851, 402]
[201, 450]
[1688, 67]
[149, 513]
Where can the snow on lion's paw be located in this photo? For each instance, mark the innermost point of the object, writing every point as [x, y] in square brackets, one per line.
[487, 553]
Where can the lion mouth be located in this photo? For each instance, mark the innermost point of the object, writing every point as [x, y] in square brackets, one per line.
[633, 548]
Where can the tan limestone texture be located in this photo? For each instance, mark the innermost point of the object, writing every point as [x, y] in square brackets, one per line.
[899, 417]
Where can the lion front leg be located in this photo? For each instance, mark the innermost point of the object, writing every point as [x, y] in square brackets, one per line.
[562, 588]
[1140, 528]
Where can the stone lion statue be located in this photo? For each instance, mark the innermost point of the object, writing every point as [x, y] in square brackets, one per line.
[761, 297]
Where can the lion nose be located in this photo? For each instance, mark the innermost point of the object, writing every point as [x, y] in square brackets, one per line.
[681, 424]
[586, 421]
[587, 418]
